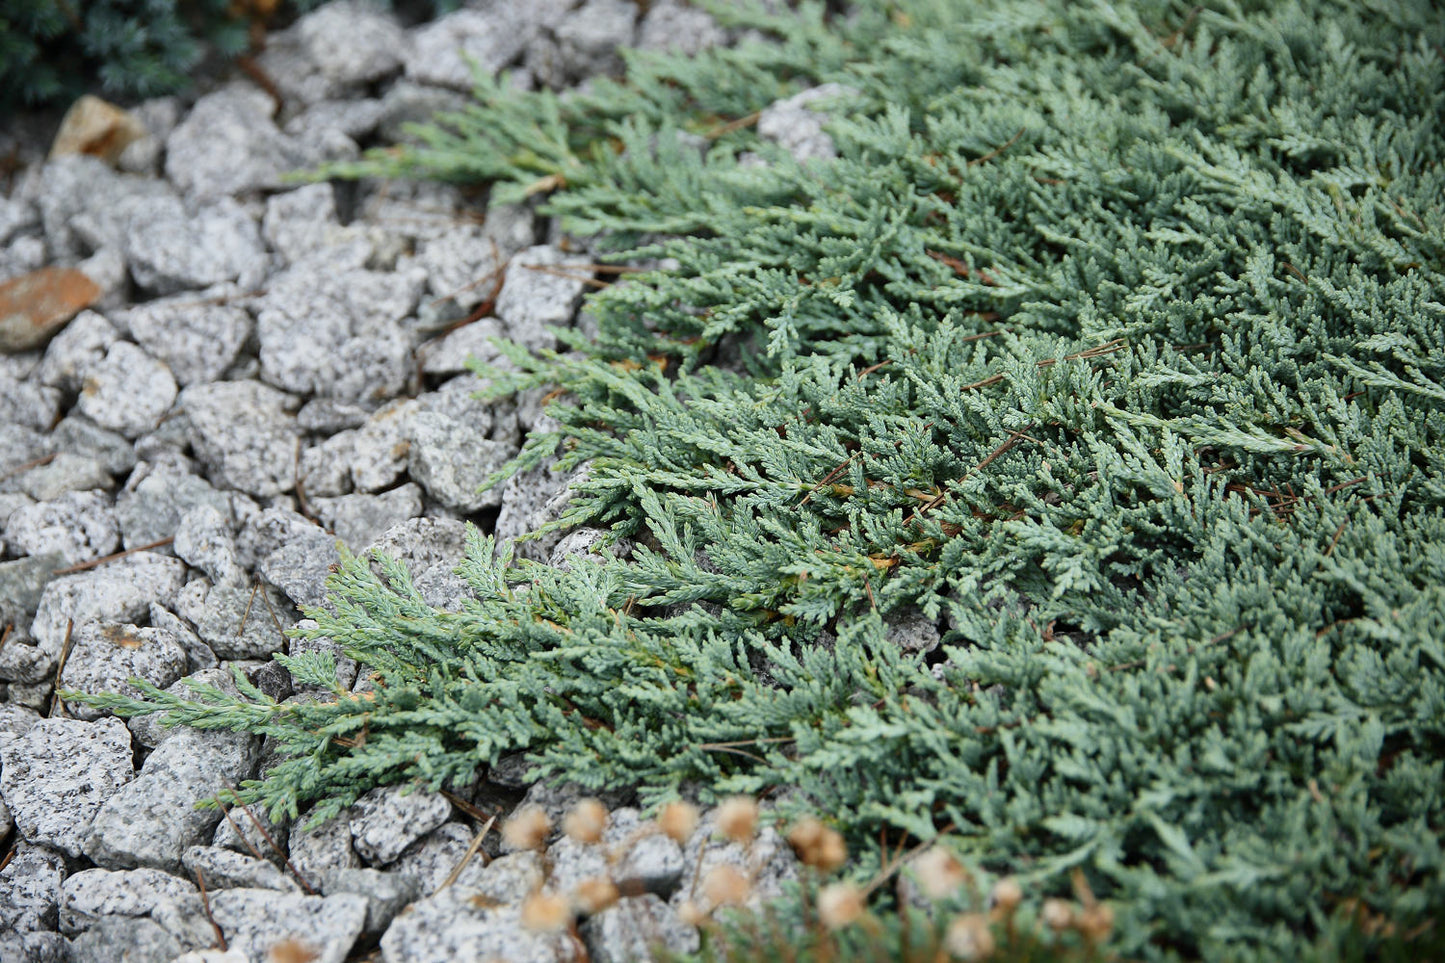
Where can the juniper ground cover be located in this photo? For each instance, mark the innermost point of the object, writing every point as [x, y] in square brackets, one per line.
[1111, 342]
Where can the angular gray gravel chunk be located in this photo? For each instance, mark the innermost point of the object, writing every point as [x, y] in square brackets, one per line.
[20, 444]
[453, 926]
[529, 501]
[30, 890]
[199, 655]
[450, 353]
[386, 894]
[153, 819]
[450, 459]
[144, 940]
[633, 929]
[239, 831]
[387, 820]
[58, 774]
[337, 333]
[327, 416]
[127, 391]
[493, 34]
[79, 345]
[321, 849]
[532, 301]
[298, 222]
[798, 128]
[84, 204]
[91, 895]
[27, 403]
[464, 265]
[197, 335]
[22, 584]
[171, 249]
[79, 434]
[257, 920]
[64, 473]
[227, 869]
[104, 657]
[78, 526]
[351, 42]
[585, 44]
[358, 520]
[240, 618]
[228, 144]
[156, 497]
[769, 861]
[301, 566]
[121, 591]
[324, 470]
[204, 541]
[431, 859]
[380, 451]
[149, 731]
[245, 432]
[668, 25]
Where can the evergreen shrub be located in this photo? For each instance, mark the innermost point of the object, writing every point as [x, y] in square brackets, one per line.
[1112, 342]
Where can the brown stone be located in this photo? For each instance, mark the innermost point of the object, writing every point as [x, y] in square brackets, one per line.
[95, 127]
[36, 305]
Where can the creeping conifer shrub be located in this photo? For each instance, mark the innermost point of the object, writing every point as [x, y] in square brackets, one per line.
[1109, 346]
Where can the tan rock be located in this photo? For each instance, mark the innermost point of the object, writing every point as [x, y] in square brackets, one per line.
[93, 126]
[36, 305]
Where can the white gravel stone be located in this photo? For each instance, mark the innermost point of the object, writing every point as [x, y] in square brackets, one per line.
[351, 42]
[104, 657]
[386, 821]
[381, 445]
[79, 526]
[358, 520]
[28, 404]
[127, 391]
[321, 849]
[204, 541]
[255, 921]
[584, 44]
[121, 591]
[668, 25]
[494, 37]
[323, 469]
[633, 928]
[450, 353]
[57, 775]
[450, 459]
[431, 859]
[386, 894]
[223, 868]
[228, 144]
[239, 619]
[298, 222]
[157, 496]
[198, 335]
[301, 566]
[92, 895]
[245, 431]
[798, 128]
[84, 204]
[29, 894]
[78, 346]
[65, 473]
[534, 301]
[80, 435]
[171, 249]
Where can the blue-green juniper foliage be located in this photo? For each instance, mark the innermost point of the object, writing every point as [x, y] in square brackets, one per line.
[1112, 342]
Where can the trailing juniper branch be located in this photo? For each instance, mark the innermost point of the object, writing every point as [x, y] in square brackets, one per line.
[1109, 342]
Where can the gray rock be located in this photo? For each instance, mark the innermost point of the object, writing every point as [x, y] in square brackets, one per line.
[198, 654]
[407, 103]
[23, 255]
[424, 543]
[104, 657]
[358, 520]
[170, 249]
[298, 222]
[80, 435]
[57, 775]
[20, 444]
[127, 391]
[30, 890]
[381, 445]
[245, 829]
[78, 526]
[321, 121]
[337, 333]
[327, 416]
[629, 854]
[17, 214]
[150, 731]
[266, 531]
[455, 925]
[28, 404]
[668, 25]
[244, 620]
[244, 430]
[93, 895]
[465, 265]
[345, 666]
[412, 209]
[798, 128]
[120, 591]
[494, 37]
[255, 921]
[156, 497]
[37, 946]
[586, 545]
[386, 894]
[197, 335]
[289, 65]
[22, 662]
[529, 501]
[15, 721]
[585, 44]
[153, 819]
[323, 848]
[912, 631]
[145, 941]
[634, 928]
[84, 204]
[301, 566]
[534, 300]
[769, 861]
[77, 347]
[228, 143]
[431, 859]
[387, 820]
[63, 474]
[352, 43]
[204, 541]
[450, 459]
[324, 470]
[450, 353]
[227, 869]
[107, 268]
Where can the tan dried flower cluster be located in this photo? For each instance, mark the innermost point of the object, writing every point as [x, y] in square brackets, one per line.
[527, 829]
[678, 821]
[546, 913]
[737, 819]
[586, 822]
[817, 845]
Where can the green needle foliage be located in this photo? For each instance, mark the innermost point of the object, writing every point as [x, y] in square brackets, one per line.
[1111, 342]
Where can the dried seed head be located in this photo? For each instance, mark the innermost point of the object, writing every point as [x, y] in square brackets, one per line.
[527, 829]
[678, 820]
[586, 822]
[840, 905]
[1058, 914]
[691, 913]
[1096, 922]
[595, 894]
[939, 874]
[1006, 896]
[817, 845]
[726, 886]
[969, 937]
[546, 913]
[737, 819]
[292, 951]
